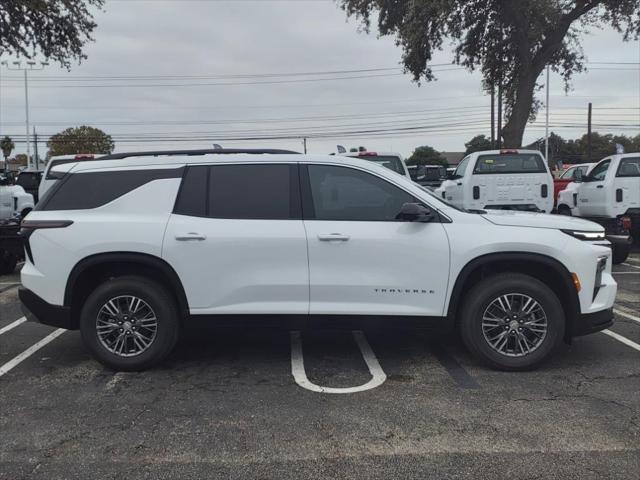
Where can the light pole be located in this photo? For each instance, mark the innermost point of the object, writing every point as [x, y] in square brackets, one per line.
[546, 128]
[31, 65]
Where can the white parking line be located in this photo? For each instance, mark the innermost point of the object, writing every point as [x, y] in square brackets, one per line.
[632, 266]
[622, 339]
[378, 377]
[626, 315]
[30, 351]
[13, 325]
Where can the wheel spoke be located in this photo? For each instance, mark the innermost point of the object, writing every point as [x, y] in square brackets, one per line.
[119, 322]
[514, 324]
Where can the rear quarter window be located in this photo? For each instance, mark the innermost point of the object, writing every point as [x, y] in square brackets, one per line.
[83, 191]
[509, 163]
[629, 167]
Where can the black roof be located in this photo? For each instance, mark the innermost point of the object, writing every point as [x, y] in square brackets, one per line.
[219, 151]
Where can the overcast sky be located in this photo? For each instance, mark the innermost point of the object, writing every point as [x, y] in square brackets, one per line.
[211, 61]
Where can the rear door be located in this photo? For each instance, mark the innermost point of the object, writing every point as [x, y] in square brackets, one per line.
[362, 260]
[511, 179]
[237, 241]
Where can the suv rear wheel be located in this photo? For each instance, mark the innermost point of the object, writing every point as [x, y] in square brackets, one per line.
[129, 323]
[512, 321]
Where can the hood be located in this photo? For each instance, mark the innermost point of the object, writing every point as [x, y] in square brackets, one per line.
[540, 220]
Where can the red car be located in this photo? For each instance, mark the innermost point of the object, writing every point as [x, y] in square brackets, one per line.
[566, 178]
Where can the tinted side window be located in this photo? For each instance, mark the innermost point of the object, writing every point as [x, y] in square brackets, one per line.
[192, 199]
[254, 192]
[462, 167]
[342, 193]
[81, 191]
[600, 171]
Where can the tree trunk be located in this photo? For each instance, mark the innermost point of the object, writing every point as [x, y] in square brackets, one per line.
[513, 130]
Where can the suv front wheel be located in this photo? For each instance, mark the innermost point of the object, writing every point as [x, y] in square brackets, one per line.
[129, 323]
[512, 321]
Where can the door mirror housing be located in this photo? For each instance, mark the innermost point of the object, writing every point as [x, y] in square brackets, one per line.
[415, 212]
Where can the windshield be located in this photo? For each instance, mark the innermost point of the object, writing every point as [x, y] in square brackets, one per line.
[391, 162]
[509, 163]
[571, 172]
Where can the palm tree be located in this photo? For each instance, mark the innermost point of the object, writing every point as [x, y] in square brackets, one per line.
[7, 146]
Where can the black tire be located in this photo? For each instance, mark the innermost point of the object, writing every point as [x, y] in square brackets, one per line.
[620, 252]
[484, 293]
[156, 297]
[8, 262]
[564, 210]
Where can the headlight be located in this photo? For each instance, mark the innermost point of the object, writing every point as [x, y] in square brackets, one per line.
[586, 236]
[600, 267]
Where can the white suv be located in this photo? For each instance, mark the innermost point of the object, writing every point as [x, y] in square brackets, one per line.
[128, 248]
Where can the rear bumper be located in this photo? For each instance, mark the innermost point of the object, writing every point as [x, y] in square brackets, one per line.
[35, 309]
[587, 323]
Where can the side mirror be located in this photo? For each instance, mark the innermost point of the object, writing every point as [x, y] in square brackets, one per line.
[578, 176]
[415, 212]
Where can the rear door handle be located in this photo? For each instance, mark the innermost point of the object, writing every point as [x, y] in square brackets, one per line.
[600, 186]
[190, 236]
[329, 237]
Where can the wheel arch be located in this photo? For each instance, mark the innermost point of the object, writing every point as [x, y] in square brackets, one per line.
[547, 269]
[92, 270]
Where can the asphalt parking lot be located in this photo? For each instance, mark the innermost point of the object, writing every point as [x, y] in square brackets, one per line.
[238, 403]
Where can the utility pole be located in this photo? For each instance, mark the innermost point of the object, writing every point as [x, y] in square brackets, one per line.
[493, 114]
[35, 149]
[589, 133]
[546, 135]
[31, 66]
[499, 116]
[304, 142]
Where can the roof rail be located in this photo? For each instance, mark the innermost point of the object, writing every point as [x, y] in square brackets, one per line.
[218, 151]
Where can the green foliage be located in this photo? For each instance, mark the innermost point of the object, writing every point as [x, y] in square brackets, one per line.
[426, 155]
[7, 146]
[509, 41]
[80, 140]
[478, 143]
[57, 29]
[577, 151]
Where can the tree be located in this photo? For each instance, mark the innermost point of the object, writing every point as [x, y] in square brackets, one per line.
[7, 146]
[478, 144]
[510, 42]
[80, 140]
[57, 29]
[426, 155]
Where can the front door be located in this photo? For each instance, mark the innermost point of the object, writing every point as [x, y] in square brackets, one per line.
[361, 259]
[237, 241]
[592, 195]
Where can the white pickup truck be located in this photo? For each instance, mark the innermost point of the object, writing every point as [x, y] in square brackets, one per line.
[609, 194]
[13, 200]
[500, 179]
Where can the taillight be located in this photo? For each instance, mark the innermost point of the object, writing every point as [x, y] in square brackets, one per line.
[626, 223]
[36, 224]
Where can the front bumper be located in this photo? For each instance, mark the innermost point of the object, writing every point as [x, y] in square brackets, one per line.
[35, 309]
[587, 323]
[620, 239]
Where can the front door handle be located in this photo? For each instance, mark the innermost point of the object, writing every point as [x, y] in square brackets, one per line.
[600, 186]
[330, 237]
[190, 236]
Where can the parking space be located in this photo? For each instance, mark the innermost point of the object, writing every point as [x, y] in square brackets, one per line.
[234, 403]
